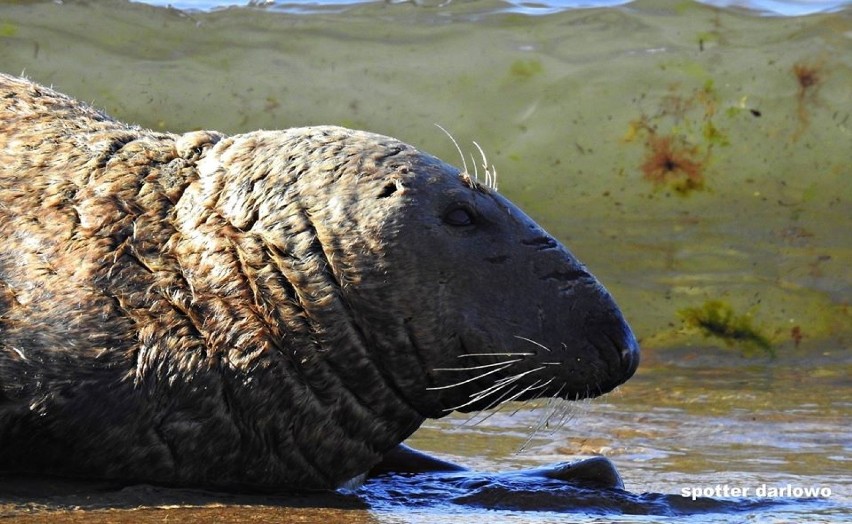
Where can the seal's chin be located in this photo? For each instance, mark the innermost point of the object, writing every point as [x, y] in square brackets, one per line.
[618, 351]
[607, 357]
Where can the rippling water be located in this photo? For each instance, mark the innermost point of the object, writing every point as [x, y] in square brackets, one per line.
[764, 7]
[694, 157]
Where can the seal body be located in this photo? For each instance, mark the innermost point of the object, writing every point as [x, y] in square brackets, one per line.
[277, 309]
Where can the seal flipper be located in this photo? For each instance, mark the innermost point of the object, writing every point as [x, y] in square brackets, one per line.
[595, 472]
[403, 459]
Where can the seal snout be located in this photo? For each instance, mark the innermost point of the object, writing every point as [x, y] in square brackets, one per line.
[598, 349]
[623, 343]
[610, 334]
[629, 353]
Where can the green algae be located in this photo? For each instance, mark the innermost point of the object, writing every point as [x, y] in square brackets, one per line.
[8, 29]
[525, 69]
[681, 135]
[717, 319]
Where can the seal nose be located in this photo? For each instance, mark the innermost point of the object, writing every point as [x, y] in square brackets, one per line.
[615, 341]
[629, 353]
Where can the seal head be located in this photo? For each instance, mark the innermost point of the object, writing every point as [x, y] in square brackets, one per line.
[494, 307]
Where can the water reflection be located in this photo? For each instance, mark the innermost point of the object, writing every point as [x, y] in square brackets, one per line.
[537, 8]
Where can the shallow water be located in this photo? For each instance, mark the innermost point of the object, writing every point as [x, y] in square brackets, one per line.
[746, 121]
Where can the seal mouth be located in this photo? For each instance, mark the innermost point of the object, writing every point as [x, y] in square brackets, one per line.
[607, 357]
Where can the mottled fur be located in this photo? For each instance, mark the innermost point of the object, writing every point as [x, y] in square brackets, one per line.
[267, 309]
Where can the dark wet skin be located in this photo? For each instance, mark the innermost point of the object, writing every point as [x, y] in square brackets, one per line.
[589, 486]
[596, 472]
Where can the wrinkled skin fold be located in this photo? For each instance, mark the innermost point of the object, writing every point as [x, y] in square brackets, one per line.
[276, 309]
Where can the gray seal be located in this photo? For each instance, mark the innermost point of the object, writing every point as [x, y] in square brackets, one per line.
[272, 309]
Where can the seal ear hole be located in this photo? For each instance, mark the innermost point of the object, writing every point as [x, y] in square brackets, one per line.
[460, 216]
[389, 189]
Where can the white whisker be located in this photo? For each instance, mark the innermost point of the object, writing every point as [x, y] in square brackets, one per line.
[496, 355]
[554, 406]
[483, 366]
[505, 381]
[541, 423]
[478, 397]
[519, 375]
[501, 398]
[544, 385]
[464, 162]
[542, 346]
[548, 413]
[498, 407]
[493, 388]
[558, 392]
[532, 387]
[567, 414]
[518, 394]
[498, 403]
[504, 366]
[500, 384]
[488, 179]
[522, 406]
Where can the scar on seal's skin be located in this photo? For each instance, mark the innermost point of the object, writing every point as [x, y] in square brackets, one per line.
[269, 310]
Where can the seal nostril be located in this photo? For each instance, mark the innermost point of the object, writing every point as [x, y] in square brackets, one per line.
[566, 275]
[541, 243]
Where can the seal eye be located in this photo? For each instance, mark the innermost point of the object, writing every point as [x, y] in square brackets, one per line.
[459, 216]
